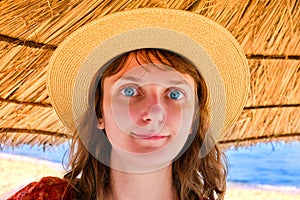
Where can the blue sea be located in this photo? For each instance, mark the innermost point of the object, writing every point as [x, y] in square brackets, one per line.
[272, 164]
[267, 165]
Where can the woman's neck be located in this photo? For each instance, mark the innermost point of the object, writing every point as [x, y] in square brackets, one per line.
[153, 185]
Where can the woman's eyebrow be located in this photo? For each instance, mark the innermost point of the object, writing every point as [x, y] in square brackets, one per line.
[130, 78]
[138, 80]
[178, 82]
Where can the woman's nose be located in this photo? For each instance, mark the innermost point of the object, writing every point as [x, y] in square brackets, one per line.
[155, 114]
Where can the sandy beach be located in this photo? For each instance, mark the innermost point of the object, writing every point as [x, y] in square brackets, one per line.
[17, 171]
[244, 192]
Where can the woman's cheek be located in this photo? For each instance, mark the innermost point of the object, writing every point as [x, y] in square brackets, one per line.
[135, 111]
[174, 116]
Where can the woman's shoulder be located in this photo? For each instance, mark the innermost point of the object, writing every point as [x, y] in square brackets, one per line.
[50, 188]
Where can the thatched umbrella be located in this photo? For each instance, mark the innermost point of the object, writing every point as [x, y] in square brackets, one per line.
[30, 31]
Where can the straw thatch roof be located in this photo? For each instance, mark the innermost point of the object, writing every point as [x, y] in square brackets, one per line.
[31, 30]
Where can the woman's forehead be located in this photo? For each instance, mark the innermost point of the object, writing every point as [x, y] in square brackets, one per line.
[139, 70]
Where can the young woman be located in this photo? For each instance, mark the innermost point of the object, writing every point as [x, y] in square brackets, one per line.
[145, 129]
[180, 92]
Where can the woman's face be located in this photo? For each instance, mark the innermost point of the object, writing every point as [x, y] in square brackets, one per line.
[145, 107]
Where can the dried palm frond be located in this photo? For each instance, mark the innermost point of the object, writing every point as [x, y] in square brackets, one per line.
[268, 31]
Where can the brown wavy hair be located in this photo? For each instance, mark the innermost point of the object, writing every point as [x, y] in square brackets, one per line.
[194, 177]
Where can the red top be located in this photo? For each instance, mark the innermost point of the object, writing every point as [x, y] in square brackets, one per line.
[50, 188]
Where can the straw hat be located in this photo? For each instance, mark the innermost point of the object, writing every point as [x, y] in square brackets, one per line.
[210, 47]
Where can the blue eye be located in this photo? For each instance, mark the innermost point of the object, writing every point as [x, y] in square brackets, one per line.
[129, 92]
[175, 95]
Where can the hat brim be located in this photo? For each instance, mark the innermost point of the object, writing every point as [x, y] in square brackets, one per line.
[210, 47]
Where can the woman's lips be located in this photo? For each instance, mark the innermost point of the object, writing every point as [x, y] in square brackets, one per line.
[156, 137]
[149, 136]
